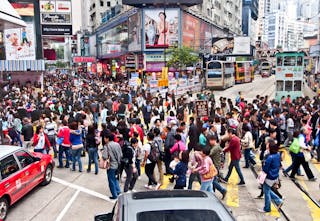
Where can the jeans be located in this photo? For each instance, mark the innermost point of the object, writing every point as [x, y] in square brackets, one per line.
[17, 138]
[236, 164]
[268, 196]
[192, 178]
[93, 156]
[76, 157]
[149, 168]
[66, 150]
[52, 140]
[207, 186]
[138, 162]
[291, 166]
[216, 185]
[113, 183]
[255, 136]
[130, 179]
[40, 151]
[248, 158]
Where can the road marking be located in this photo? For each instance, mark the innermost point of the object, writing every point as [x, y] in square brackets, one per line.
[232, 188]
[82, 189]
[67, 207]
[314, 210]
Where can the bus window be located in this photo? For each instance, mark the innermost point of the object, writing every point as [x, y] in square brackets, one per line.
[214, 74]
[288, 86]
[279, 85]
[289, 61]
[279, 61]
[297, 86]
[299, 61]
[214, 65]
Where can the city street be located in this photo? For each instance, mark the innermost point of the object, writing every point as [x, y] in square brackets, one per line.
[79, 196]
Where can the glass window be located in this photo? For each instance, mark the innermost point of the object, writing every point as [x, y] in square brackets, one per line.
[279, 61]
[288, 86]
[279, 85]
[179, 215]
[299, 61]
[24, 158]
[214, 65]
[8, 166]
[289, 61]
[297, 86]
[214, 74]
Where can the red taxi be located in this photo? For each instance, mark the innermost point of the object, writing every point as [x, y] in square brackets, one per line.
[20, 172]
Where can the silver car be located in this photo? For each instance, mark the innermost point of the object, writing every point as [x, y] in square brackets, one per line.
[168, 205]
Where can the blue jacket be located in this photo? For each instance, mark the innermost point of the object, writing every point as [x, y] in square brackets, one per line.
[181, 171]
[76, 139]
[272, 166]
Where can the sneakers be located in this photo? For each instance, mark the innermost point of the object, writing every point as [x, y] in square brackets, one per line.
[148, 187]
[261, 210]
[223, 180]
[313, 179]
[224, 195]
[241, 183]
[158, 186]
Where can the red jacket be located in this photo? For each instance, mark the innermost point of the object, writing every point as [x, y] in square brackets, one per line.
[36, 138]
[234, 148]
[65, 133]
[138, 129]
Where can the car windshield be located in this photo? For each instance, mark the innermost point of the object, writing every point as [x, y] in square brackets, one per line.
[179, 215]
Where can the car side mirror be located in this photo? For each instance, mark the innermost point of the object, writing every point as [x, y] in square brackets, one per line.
[103, 217]
[37, 158]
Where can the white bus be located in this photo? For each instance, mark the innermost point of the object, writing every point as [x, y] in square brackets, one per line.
[219, 74]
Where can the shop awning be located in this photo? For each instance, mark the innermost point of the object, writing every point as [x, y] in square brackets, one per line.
[9, 18]
[22, 65]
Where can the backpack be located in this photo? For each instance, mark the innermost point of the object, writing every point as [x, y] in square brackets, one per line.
[154, 152]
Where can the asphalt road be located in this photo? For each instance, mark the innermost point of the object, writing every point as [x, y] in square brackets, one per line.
[79, 196]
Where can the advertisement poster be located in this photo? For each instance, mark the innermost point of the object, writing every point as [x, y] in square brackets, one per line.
[206, 37]
[47, 6]
[241, 45]
[161, 27]
[134, 32]
[63, 6]
[19, 43]
[53, 18]
[202, 108]
[191, 31]
[24, 9]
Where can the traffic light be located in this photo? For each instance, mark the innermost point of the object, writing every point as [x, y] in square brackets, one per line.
[9, 77]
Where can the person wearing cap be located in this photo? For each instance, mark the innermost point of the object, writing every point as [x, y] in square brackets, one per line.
[215, 155]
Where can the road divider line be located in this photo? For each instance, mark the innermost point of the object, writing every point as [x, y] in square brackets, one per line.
[82, 189]
[67, 207]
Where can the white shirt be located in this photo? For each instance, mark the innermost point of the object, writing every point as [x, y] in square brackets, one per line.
[147, 148]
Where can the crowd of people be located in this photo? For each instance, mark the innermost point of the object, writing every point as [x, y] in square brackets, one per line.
[135, 129]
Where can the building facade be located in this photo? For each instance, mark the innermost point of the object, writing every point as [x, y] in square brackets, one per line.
[224, 13]
[249, 19]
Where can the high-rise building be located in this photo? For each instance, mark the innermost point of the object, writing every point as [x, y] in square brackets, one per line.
[249, 18]
[224, 13]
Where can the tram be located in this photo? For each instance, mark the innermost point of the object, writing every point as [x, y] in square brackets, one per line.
[219, 74]
[244, 72]
[289, 74]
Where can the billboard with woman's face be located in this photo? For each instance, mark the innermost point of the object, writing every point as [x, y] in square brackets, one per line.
[134, 26]
[161, 27]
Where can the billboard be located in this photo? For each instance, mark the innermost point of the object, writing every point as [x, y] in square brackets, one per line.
[161, 27]
[190, 31]
[231, 46]
[56, 29]
[205, 36]
[24, 9]
[167, 2]
[55, 17]
[19, 43]
[134, 27]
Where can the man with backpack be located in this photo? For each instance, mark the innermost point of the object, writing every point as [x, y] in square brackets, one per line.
[128, 161]
[159, 143]
[151, 155]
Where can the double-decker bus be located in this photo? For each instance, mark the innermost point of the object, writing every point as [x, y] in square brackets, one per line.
[244, 72]
[219, 74]
[289, 74]
[265, 69]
